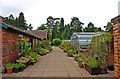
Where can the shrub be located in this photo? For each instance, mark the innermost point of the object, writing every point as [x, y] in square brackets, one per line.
[92, 62]
[57, 41]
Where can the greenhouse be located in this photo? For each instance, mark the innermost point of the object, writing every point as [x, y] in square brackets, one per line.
[82, 39]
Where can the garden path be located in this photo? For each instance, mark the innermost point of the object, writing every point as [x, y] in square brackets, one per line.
[56, 64]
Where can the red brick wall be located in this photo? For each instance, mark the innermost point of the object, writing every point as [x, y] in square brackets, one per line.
[9, 49]
[0, 44]
[116, 32]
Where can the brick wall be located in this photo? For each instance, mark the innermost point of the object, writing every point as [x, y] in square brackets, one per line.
[0, 44]
[9, 49]
[116, 32]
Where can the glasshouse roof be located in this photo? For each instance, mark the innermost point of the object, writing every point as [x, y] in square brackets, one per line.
[83, 38]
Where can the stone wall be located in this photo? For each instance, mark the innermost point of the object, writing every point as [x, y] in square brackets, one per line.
[116, 32]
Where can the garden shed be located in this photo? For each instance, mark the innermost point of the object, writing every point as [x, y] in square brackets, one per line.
[10, 36]
[82, 38]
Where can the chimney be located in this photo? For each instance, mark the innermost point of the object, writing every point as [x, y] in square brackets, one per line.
[1, 19]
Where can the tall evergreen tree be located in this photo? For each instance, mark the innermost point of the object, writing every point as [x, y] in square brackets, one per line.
[68, 32]
[76, 25]
[55, 32]
[61, 28]
[22, 22]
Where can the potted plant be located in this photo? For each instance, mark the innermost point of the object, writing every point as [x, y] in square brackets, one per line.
[32, 61]
[70, 53]
[99, 46]
[80, 62]
[9, 67]
[92, 66]
[103, 66]
[16, 68]
[78, 58]
[22, 66]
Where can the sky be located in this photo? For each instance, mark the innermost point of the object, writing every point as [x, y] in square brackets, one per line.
[99, 12]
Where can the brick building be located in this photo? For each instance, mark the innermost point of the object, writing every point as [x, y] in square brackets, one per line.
[116, 33]
[9, 37]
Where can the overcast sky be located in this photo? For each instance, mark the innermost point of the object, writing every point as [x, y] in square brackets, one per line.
[99, 12]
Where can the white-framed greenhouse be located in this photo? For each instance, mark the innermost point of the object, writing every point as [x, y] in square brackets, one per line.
[82, 38]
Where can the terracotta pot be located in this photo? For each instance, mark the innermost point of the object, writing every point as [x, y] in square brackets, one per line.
[83, 65]
[9, 70]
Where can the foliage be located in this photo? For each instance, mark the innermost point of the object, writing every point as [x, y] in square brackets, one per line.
[71, 52]
[24, 46]
[78, 57]
[65, 44]
[19, 22]
[21, 64]
[92, 62]
[57, 41]
[99, 47]
[17, 65]
[76, 25]
[38, 46]
[42, 27]
[43, 51]
[24, 59]
[84, 46]
[108, 26]
[90, 28]
[9, 65]
[61, 28]
[33, 60]
[34, 56]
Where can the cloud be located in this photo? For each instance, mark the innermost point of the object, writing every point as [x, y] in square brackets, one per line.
[36, 11]
[14, 6]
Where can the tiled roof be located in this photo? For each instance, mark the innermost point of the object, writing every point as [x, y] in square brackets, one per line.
[35, 33]
[39, 33]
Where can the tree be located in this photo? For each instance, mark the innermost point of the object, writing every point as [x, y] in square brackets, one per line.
[61, 28]
[90, 27]
[22, 22]
[11, 17]
[30, 27]
[53, 23]
[50, 21]
[42, 27]
[76, 25]
[108, 26]
[10, 20]
[68, 32]
[55, 32]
